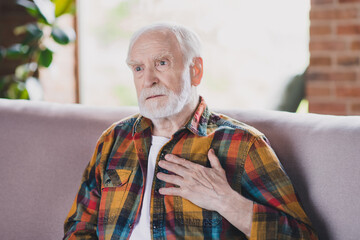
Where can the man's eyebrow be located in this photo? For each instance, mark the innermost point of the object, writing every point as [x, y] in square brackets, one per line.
[132, 63]
[160, 56]
[164, 55]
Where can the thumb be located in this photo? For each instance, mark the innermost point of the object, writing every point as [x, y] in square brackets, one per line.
[214, 160]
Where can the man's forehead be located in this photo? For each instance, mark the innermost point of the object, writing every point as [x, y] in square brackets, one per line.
[155, 39]
[157, 43]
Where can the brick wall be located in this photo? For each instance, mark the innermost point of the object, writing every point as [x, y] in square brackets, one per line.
[333, 79]
[58, 82]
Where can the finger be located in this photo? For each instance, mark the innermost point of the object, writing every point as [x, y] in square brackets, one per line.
[172, 167]
[176, 180]
[170, 191]
[195, 173]
[214, 160]
[180, 161]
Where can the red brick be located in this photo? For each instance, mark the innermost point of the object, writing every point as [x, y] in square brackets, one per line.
[315, 2]
[348, 29]
[322, 14]
[348, 92]
[318, 91]
[346, 13]
[317, 76]
[331, 76]
[327, 45]
[320, 61]
[329, 14]
[343, 76]
[349, 1]
[348, 61]
[355, 45]
[320, 30]
[327, 108]
[355, 108]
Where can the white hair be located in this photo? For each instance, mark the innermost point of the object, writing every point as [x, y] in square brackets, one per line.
[188, 40]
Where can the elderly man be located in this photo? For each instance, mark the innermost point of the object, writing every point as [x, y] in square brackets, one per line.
[178, 170]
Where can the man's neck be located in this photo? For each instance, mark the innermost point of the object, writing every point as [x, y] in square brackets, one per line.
[166, 127]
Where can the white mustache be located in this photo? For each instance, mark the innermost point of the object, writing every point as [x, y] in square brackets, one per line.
[155, 90]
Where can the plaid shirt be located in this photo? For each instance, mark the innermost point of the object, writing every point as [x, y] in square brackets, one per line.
[110, 196]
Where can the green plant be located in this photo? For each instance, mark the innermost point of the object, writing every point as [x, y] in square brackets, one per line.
[34, 50]
[293, 94]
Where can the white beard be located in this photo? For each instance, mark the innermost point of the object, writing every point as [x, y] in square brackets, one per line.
[153, 109]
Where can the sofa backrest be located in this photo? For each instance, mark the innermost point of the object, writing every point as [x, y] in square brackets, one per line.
[321, 155]
[44, 148]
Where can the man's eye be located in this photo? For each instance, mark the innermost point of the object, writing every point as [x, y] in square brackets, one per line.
[137, 69]
[162, 65]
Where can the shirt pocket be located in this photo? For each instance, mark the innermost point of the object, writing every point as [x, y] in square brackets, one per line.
[114, 191]
[116, 177]
[194, 218]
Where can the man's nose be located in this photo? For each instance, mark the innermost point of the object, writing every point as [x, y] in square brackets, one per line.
[150, 77]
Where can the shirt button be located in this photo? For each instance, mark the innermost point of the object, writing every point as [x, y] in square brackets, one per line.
[162, 155]
[130, 225]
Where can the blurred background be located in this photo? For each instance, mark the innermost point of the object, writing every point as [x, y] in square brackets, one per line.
[290, 55]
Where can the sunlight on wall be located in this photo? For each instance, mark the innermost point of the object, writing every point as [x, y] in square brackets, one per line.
[251, 48]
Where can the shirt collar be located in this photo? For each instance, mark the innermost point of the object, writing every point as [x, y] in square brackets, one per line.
[197, 123]
[141, 124]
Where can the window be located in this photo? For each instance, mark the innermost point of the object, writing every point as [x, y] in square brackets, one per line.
[251, 48]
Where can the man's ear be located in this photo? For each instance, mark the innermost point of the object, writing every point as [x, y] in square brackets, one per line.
[196, 71]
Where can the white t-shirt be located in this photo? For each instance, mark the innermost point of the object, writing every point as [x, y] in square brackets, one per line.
[141, 229]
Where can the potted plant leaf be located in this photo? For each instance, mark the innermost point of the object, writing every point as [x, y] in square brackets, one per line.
[34, 50]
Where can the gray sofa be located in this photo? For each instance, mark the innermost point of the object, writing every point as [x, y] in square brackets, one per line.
[46, 146]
